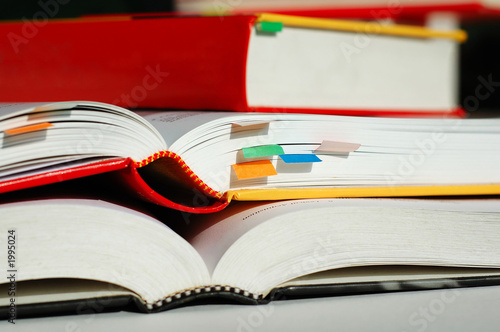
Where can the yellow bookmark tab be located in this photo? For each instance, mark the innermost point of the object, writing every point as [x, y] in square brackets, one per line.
[28, 129]
[254, 169]
[333, 147]
[363, 27]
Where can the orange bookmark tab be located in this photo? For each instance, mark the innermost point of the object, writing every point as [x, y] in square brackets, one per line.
[254, 169]
[28, 129]
[332, 147]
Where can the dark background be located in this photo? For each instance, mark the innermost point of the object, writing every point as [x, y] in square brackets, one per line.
[480, 55]
[17, 9]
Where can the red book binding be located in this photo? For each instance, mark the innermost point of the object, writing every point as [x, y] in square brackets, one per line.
[127, 171]
[199, 161]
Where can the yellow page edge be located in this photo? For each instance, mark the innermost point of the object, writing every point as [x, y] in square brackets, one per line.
[363, 27]
[344, 192]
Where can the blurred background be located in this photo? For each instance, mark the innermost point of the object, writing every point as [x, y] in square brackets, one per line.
[17, 9]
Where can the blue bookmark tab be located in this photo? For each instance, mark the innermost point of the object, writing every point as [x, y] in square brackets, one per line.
[300, 158]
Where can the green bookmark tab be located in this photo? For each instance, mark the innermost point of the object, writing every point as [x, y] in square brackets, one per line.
[262, 151]
[270, 26]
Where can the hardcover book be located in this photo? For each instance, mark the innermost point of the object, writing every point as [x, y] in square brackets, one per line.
[261, 62]
[66, 255]
[357, 9]
[200, 161]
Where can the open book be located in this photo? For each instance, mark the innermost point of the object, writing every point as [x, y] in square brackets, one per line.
[200, 161]
[250, 252]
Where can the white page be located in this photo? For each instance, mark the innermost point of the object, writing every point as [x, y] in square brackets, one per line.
[78, 130]
[13, 109]
[100, 241]
[312, 68]
[227, 226]
[174, 124]
[393, 151]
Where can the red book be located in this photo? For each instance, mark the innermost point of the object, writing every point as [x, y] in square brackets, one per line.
[225, 63]
[370, 10]
[200, 161]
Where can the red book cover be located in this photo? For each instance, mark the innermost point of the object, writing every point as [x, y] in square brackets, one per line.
[131, 63]
[127, 172]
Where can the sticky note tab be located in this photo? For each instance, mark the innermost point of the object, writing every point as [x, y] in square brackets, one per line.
[249, 129]
[254, 123]
[262, 151]
[270, 26]
[300, 158]
[28, 129]
[337, 147]
[254, 169]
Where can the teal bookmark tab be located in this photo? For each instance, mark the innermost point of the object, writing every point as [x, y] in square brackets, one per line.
[262, 151]
[270, 26]
[300, 158]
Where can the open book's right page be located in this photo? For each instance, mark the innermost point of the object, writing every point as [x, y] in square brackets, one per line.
[279, 241]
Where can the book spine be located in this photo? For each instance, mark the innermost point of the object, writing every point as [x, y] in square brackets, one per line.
[126, 170]
[194, 179]
[172, 62]
[174, 168]
[199, 293]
